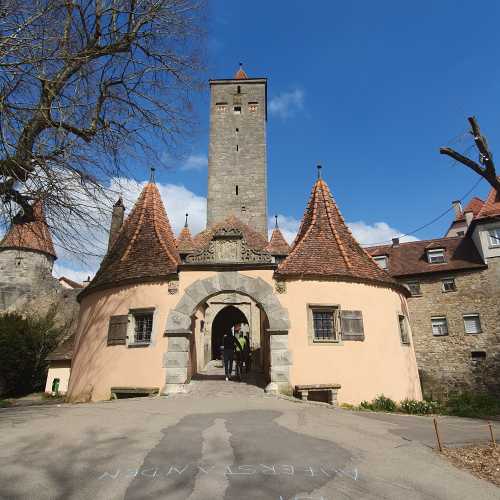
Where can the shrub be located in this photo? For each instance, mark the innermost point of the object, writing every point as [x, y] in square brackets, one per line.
[469, 404]
[380, 403]
[415, 407]
[25, 343]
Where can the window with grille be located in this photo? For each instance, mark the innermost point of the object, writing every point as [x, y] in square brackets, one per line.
[221, 107]
[253, 106]
[143, 326]
[439, 326]
[472, 323]
[324, 323]
[403, 329]
[414, 287]
[449, 285]
[494, 236]
[436, 256]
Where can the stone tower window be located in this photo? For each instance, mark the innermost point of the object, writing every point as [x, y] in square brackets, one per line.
[221, 107]
[237, 147]
[237, 110]
[237, 189]
[239, 89]
[253, 106]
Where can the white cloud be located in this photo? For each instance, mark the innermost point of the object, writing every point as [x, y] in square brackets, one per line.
[287, 104]
[365, 234]
[195, 162]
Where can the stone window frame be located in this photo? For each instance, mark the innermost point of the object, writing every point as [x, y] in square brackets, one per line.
[440, 317]
[414, 282]
[448, 278]
[472, 315]
[435, 251]
[253, 106]
[131, 326]
[335, 308]
[403, 329]
[221, 107]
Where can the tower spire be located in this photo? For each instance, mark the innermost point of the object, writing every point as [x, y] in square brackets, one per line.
[319, 167]
[186, 223]
[276, 221]
[240, 74]
[152, 175]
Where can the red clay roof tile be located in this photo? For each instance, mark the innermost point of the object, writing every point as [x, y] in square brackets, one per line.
[31, 235]
[185, 243]
[324, 246]
[144, 249]
[240, 74]
[491, 206]
[277, 244]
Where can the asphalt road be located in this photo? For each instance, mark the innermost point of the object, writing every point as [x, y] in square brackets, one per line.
[228, 441]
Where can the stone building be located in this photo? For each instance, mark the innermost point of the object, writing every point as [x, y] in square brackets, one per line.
[320, 312]
[455, 299]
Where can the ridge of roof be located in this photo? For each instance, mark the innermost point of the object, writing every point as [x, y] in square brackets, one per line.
[34, 235]
[325, 247]
[277, 244]
[416, 242]
[145, 247]
[240, 74]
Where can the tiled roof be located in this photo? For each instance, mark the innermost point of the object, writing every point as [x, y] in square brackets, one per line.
[144, 249]
[254, 239]
[324, 246]
[31, 235]
[474, 206]
[491, 207]
[70, 282]
[407, 259]
[63, 351]
[185, 243]
[240, 74]
[277, 244]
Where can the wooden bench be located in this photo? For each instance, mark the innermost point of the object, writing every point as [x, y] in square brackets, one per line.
[130, 392]
[303, 391]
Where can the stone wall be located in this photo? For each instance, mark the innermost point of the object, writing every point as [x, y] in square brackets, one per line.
[445, 362]
[237, 166]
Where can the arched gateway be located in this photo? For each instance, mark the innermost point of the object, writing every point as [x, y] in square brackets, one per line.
[180, 327]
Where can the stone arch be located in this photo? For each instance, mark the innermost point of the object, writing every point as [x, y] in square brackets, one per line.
[179, 318]
[179, 324]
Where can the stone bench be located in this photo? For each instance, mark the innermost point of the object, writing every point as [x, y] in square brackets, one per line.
[303, 391]
[131, 392]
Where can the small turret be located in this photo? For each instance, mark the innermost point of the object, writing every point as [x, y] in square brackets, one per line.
[116, 221]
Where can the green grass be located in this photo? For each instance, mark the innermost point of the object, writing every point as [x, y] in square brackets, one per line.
[4, 403]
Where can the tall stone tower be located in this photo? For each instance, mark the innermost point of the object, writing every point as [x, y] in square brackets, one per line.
[237, 164]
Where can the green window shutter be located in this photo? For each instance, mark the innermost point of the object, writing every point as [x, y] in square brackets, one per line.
[352, 325]
[117, 331]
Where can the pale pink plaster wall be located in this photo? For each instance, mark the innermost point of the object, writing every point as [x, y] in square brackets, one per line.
[60, 370]
[379, 364]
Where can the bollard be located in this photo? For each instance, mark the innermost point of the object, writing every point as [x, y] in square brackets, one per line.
[437, 435]
[493, 442]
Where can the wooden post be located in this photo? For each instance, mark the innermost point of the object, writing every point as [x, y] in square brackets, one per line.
[493, 442]
[437, 435]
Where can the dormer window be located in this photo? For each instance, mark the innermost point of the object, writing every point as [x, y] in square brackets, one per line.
[494, 237]
[382, 261]
[435, 256]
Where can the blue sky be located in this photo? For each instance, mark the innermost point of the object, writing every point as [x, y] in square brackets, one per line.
[370, 90]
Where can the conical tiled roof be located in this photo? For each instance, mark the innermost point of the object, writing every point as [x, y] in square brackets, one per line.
[144, 249]
[254, 239]
[491, 207]
[240, 74]
[325, 248]
[277, 244]
[185, 243]
[31, 235]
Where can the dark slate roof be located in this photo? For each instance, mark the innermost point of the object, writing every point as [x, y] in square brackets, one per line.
[277, 244]
[325, 248]
[409, 259]
[63, 351]
[145, 248]
[31, 235]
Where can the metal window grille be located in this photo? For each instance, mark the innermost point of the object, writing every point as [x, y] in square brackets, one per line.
[414, 288]
[323, 322]
[403, 330]
[143, 328]
[472, 323]
[439, 326]
[449, 285]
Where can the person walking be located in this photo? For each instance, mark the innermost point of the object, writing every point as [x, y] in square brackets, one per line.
[229, 348]
[240, 350]
[247, 355]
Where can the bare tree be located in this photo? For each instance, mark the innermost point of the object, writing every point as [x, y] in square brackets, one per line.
[486, 167]
[84, 86]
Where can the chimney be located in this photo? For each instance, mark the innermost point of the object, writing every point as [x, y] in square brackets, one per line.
[116, 221]
[395, 242]
[469, 215]
[457, 207]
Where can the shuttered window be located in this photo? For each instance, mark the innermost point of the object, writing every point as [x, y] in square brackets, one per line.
[352, 325]
[117, 330]
[472, 323]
